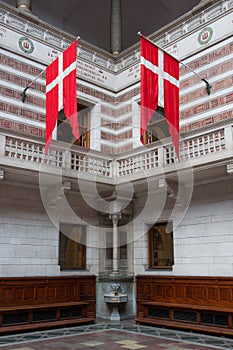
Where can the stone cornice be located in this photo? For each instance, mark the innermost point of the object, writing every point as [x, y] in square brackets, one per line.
[27, 23]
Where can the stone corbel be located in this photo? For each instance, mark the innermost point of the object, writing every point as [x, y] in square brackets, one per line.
[230, 168]
[176, 191]
[54, 195]
[2, 175]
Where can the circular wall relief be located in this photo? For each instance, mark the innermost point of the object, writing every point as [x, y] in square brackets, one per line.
[205, 35]
[26, 45]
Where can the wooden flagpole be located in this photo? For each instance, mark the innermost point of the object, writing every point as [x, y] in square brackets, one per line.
[23, 93]
[208, 86]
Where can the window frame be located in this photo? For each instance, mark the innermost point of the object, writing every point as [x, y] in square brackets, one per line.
[83, 123]
[157, 128]
[65, 243]
[163, 246]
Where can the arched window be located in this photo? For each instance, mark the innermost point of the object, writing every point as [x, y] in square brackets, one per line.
[160, 245]
[72, 247]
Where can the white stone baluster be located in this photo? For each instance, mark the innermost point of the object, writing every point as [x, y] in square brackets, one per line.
[114, 169]
[228, 135]
[161, 156]
[16, 149]
[2, 145]
[67, 160]
[27, 149]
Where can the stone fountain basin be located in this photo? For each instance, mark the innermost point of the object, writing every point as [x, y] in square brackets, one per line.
[110, 298]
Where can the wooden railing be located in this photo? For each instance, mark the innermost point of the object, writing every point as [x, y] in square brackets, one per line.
[136, 163]
[40, 302]
[193, 303]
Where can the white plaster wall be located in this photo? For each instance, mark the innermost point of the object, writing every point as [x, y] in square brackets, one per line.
[28, 240]
[203, 240]
[148, 208]
[93, 250]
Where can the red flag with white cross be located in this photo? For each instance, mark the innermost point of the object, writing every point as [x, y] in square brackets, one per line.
[61, 91]
[159, 88]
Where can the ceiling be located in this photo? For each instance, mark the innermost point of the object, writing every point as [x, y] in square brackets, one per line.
[90, 19]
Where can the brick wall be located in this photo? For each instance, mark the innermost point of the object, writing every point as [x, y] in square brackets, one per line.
[194, 101]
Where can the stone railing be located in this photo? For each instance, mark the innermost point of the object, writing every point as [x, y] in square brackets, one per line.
[193, 147]
[136, 163]
[59, 156]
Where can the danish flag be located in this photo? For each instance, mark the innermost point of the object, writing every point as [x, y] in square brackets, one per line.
[159, 87]
[61, 91]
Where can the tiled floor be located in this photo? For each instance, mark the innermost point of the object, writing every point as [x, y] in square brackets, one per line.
[113, 337]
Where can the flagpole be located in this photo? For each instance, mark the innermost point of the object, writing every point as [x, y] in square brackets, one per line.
[23, 93]
[208, 86]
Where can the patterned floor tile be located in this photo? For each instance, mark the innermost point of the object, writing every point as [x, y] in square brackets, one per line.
[24, 349]
[107, 336]
[173, 347]
[130, 344]
[92, 343]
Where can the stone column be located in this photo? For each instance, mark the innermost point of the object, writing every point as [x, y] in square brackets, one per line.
[115, 265]
[24, 5]
[115, 26]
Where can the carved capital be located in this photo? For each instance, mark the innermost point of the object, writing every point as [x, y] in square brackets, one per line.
[115, 217]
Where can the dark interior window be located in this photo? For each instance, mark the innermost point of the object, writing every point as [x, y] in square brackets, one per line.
[64, 130]
[72, 247]
[160, 246]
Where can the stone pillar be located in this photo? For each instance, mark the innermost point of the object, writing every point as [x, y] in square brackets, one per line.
[2, 145]
[115, 262]
[115, 26]
[24, 5]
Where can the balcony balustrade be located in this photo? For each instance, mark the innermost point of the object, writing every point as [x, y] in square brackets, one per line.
[159, 156]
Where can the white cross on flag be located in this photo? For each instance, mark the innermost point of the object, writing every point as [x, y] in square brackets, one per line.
[159, 87]
[61, 91]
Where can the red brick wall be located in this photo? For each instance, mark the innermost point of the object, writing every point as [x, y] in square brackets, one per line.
[197, 109]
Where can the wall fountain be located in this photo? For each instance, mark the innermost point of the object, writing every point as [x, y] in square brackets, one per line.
[115, 298]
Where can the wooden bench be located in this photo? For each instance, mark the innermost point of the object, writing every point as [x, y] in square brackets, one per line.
[190, 303]
[45, 302]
